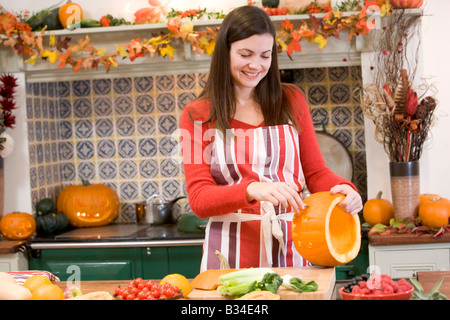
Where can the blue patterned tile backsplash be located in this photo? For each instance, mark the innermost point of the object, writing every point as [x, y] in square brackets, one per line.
[119, 131]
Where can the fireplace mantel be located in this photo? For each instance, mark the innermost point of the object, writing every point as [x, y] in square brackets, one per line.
[338, 52]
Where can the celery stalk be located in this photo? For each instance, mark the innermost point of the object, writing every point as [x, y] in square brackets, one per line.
[239, 281]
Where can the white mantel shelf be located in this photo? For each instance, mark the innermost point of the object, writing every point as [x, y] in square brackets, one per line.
[338, 52]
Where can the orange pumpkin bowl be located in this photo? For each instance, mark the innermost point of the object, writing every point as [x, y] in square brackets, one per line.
[323, 233]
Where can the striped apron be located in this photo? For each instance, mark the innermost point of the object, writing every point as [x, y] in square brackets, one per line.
[249, 237]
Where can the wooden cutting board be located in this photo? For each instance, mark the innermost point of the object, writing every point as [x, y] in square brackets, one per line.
[429, 278]
[324, 277]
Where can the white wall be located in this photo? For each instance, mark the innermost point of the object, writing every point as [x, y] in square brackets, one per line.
[435, 166]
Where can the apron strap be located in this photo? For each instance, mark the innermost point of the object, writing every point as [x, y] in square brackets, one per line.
[270, 224]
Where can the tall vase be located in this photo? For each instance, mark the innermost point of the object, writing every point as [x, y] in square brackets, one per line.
[2, 187]
[405, 188]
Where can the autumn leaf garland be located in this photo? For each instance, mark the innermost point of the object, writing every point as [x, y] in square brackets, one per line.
[84, 55]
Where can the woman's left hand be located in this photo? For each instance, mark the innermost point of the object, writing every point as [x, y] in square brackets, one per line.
[352, 202]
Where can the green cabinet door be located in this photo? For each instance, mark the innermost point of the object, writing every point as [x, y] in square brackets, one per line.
[86, 264]
[185, 260]
[155, 263]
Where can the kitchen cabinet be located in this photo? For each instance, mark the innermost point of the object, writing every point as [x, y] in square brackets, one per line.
[12, 256]
[405, 260]
[86, 264]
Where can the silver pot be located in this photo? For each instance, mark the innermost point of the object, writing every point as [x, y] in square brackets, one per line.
[156, 211]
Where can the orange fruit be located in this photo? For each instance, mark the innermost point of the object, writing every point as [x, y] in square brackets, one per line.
[36, 281]
[178, 280]
[48, 292]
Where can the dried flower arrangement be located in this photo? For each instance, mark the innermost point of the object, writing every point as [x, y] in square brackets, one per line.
[401, 115]
[7, 119]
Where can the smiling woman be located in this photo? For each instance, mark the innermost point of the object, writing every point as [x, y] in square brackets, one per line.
[262, 153]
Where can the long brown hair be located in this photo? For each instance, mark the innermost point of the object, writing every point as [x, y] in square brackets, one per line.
[241, 23]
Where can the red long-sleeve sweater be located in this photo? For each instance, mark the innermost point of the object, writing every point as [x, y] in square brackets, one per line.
[207, 198]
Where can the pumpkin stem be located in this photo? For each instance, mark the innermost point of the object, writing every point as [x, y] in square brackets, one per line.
[435, 199]
[85, 182]
[379, 195]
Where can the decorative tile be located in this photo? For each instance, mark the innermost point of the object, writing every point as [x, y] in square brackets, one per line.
[186, 81]
[125, 126]
[143, 84]
[338, 74]
[126, 148]
[123, 105]
[120, 132]
[146, 125]
[122, 85]
[148, 168]
[81, 88]
[107, 170]
[165, 82]
[128, 169]
[144, 104]
[166, 102]
[315, 74]
[339, 93]
[101, 86]
[82, 108]
[341, 116]
[103, 106]
[106, 149]
[83, 129]
[104, 128]
[85, 150]
[317, 95]
[167, 124]
[147, 147]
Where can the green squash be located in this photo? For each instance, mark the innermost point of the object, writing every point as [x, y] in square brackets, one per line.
[52, 223]
[270, 3]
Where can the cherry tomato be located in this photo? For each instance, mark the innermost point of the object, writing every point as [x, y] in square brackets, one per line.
[282, 11]
[274, 11]
[268, 11]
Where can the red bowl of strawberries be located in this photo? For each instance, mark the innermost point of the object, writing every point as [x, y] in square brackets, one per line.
[376, 287]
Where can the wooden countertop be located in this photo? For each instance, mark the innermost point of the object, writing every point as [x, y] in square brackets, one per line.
[11, 246]
[406, 238]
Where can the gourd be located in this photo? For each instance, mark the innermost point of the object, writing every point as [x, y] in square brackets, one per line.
[323, 233]
[406, 4]
[70, 14]
[47, 17]
[378, 210]
[17, 225]
[435, 212]
[51, 223]
[88, 205]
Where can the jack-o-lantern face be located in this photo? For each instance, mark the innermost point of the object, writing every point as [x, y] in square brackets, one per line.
[17, 226]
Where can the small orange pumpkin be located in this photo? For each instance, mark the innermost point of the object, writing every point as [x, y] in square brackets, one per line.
[378, 210]
[17, 225]
[406, 4]
[323, 233]
[88, 205]
[435, 212]
[69, 14]
[427, 196]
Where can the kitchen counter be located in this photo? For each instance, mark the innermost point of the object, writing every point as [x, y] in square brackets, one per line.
[119, 235]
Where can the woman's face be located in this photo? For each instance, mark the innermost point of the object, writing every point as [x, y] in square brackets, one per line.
[250, 59]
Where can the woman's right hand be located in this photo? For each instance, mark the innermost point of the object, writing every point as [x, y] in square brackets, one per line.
[276, 193]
